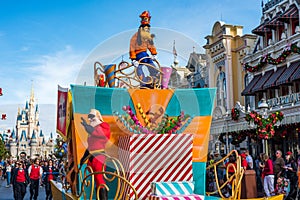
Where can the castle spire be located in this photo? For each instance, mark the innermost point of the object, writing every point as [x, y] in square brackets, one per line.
[32, 91]
[175, 54]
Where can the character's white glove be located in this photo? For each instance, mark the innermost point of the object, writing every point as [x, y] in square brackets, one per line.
[153, 57]
[135, 63]
[145, 71]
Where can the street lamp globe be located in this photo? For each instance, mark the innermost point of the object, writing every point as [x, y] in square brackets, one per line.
[263, 107]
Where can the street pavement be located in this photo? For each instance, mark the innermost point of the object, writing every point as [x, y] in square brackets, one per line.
[7, 193]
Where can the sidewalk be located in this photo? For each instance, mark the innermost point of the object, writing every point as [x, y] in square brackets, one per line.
[7, 193]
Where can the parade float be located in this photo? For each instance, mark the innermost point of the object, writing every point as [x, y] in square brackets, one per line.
[130, 136]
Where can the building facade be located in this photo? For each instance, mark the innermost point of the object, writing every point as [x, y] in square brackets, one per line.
[198, 78]
[249, 70]
[273, 70]
[225, 49]
[28, 138]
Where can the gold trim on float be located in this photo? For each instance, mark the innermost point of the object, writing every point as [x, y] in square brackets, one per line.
[234, 180]
[128, 76]
[87, 180]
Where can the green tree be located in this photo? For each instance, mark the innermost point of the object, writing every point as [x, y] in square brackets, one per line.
[3, 151]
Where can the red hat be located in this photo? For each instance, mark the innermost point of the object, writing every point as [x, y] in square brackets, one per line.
[288, 153]
[145, 18]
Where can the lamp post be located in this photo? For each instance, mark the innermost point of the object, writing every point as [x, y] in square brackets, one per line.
[263, 109]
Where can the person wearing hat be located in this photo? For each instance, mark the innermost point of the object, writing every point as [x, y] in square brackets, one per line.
[140, 42]
[20, 180]
[290, 172]
[98, 135]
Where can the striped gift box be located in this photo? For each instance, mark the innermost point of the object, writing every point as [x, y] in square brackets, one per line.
[151, 158]
[172, 188]
[176, 197]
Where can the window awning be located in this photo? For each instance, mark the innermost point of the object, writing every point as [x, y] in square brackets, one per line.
[247, 90]
[286, 75]
[261, 29]
[272, 80]
[275, 22]
[292, 12]
[259, 85]
[296, 75]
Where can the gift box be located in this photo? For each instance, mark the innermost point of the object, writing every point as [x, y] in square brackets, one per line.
[172, 188]
[151, 158]
[176, 197]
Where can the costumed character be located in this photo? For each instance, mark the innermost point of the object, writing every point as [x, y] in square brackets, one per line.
[140, 42]
[98, 135]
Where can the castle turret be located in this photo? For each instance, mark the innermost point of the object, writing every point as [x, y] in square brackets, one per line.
[13, 144]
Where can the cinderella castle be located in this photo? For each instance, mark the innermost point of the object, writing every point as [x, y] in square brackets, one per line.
[28, 139]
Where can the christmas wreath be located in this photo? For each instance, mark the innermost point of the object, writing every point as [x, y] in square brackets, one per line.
[222, 138]
[238, 137]
[235, 114]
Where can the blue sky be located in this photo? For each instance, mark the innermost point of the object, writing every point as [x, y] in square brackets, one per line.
[45, 43]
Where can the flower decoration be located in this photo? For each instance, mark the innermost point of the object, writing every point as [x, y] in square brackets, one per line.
[267, 59]
[60, 148]
[235, 114]
[168, 125]
[265, 127]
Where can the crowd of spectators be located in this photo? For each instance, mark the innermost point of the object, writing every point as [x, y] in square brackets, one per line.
[277, 174]
[33, 173]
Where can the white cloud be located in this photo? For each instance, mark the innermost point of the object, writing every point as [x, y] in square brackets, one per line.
[51, 70]
[46, 72]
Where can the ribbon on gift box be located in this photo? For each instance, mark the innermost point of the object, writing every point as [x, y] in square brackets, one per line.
[172, 188]
[177, 197]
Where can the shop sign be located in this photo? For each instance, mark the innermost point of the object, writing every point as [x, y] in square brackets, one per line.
[284, 100]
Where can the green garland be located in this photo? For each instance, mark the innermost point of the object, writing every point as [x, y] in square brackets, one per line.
[265, 127]
[267, 59]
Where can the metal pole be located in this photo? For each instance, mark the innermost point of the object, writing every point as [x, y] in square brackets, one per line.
[266, 146]
[227, 144]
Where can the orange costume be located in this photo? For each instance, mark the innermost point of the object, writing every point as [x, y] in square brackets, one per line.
[143, 46]
[140, 42]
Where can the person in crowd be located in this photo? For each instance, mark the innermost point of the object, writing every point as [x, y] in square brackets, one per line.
[35, 172]
[268, 175]
[278, 165]
[249, 159]
[290, 172]
[244, 163]
[2, 169]
[20, 180]
[220, 167]
[231, 165]
[50, 173]
[44, 166]
[8, 174]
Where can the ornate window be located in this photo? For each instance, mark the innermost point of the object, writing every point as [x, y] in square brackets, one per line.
[221, 89]
[246, 82]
